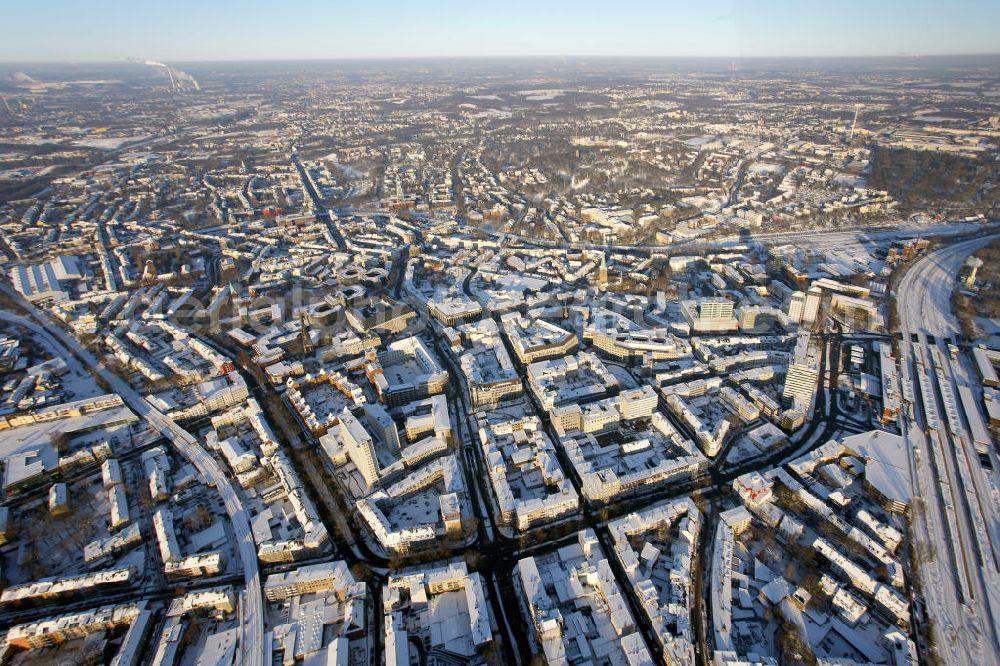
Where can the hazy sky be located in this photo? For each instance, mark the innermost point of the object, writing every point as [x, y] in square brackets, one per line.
[174, 30]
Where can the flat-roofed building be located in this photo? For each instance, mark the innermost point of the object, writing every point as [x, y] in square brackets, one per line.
[43, 282]
[58, 499]
[349, 437]
[406, 371]
[709, 315]
[985, 362]
[119, 507]
[309, 578]
[536, 340]
[454, 310]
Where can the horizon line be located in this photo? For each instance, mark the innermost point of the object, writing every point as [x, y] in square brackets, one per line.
[133, 59]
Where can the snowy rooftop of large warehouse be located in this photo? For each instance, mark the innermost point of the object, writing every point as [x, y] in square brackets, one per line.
[887, 468]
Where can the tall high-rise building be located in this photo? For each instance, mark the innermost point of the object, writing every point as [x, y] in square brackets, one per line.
[803, 375]
[800, 383]
[748, 317]
[359, 446]
[385, 427]
[713, 309]
[637, 403]
[709, 315]
[811, 309]
[796, 306]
